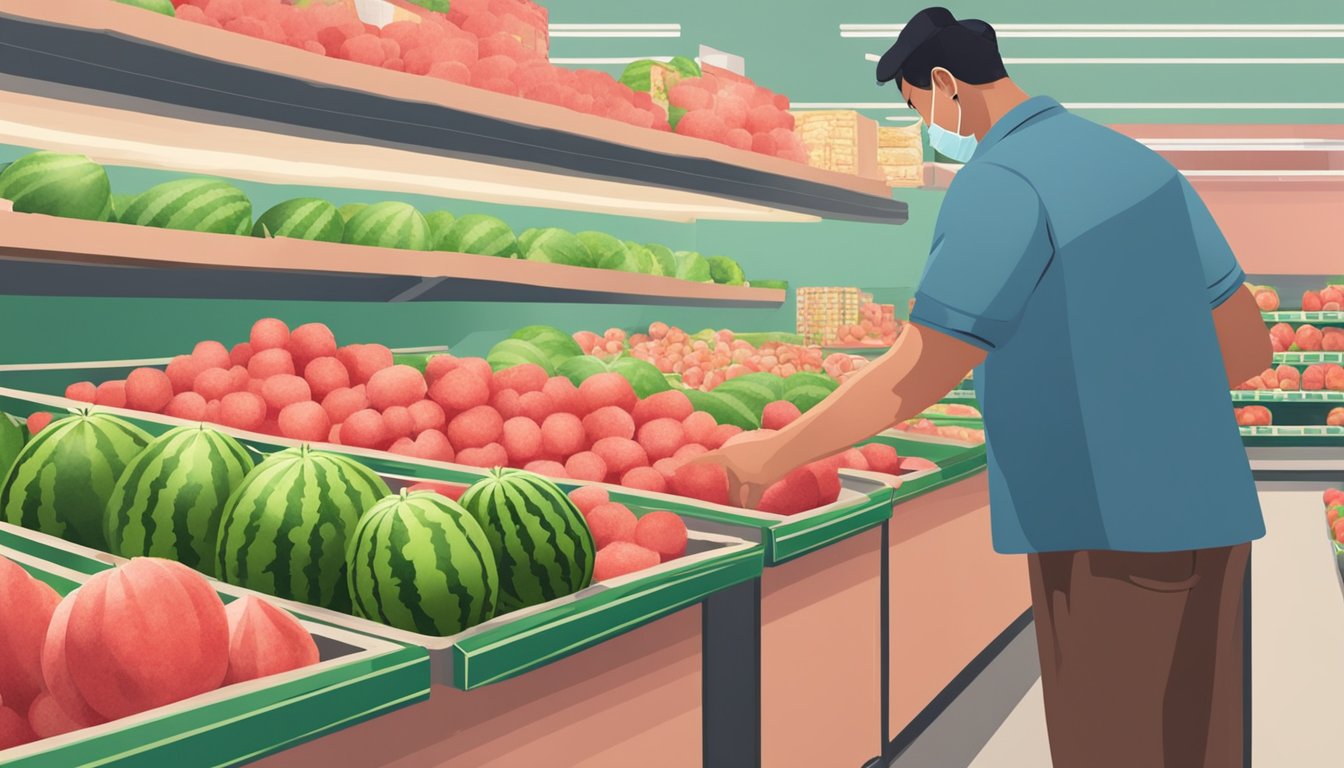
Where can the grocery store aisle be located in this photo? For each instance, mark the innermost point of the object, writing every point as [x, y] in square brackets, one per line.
[1298, 620]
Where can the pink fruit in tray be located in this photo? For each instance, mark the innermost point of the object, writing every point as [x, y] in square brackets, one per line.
[508, 402]
[242, 410]
[38, 421]
[1331, 295]
[182, 372]
[342, 402]
[1335, 418]
[535, 405]
[270, 362]
[881, 458]
[706, 482]
[548, 468]
[47, 718]
[364, 360]
[143, 635]
[264, 640]
[621, 558]
[722, 434]
[111, 394]
[186, 405]
[211, 354]
[14, 729]
[487, 456]
[779, 414]
[586, 465]
[608, 421]
[268, 333]
[799, 491]
[522, 440]
[324, 375]
[1313, 378]
[524, 378]
[83, 391]
[621, 455]
[395, 385]
[364, 429]
[1333, 340]
[148, 389]
[1267, 300]
[475, 428]
[562, 435]
[662, 438]
[397, 423]
[662, 532]
[1289, 377]
[611, 522]
[605, 389]
[564, 396]
[916, 464]
[426, 414]
[1269, 378]
[56, 673]
[305, 421]
[1311, 301]
[460, 389]
[699, 427]
[1333, 495]
[645, 479]
[284, 389]
[589, 497]
[1334, 378]
[1308, 338]
[28, 605]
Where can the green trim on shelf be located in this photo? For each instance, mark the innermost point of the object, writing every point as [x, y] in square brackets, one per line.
[1298, 316]
[955, 461]
[1308, 358]
[961, 397]
[1279, 397]
[1284, 436]
[532, 641]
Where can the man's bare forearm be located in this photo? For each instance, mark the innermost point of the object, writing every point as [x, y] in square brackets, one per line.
[915, 373]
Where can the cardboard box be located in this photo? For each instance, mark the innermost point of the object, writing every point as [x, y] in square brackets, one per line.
[840, 140]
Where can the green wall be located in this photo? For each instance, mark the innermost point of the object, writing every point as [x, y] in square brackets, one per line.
[882, 258]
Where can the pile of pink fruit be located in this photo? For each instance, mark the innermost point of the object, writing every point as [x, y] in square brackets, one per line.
[706, 364]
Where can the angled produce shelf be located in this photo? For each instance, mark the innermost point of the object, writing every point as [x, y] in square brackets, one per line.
[1308, 358]
[107, 58]
[44, 255]
[1298, 316]
[1278, 397]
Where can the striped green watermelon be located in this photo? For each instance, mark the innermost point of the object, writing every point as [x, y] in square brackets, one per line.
[806, 389]
[56, 184]
[637, 74]
[645, 258]
[512, 352]
[119, 204]
[439, 223]
[542, 545]
[608, 252]
[694, 267]
[555, 246]
[674, 115]
[576, 369]
[667, 260]
[755, 386]
[644, 377]
[169, 500]
[195, 204]
[158, 6]
[389, 225]
[725, 409]
[685, 65]
[420, 562]
[554, 343]
[725, 271]
[349, 210]
[482, 235]
[12, 438]
[303, 218]
[779, 285]
[285, 529]
[63, 478]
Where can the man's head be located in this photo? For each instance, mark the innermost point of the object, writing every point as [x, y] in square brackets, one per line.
[943, 67]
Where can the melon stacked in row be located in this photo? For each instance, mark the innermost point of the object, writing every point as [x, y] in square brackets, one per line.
[307, 525]
[1287, 378]
[1334, 511]
[1328, 299]
[147, 634]
[1306, 338]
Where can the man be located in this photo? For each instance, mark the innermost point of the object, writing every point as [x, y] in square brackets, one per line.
[1084, 281]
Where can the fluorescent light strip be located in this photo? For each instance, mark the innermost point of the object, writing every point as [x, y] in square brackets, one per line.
[606, 33]
[613, 60]
[1136, 34]
[615, 27]
[874, 57]
[1102, 27]
[1244, 145]
[1094, 105]
[1314, 174]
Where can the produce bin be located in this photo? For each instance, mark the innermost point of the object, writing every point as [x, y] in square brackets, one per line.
[358, 678]
[1293, 436]
[961, 397]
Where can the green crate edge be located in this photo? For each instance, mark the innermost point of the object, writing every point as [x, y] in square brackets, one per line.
[531, 642]
[260, 722]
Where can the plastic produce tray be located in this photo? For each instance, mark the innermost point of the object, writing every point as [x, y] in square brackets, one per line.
[954, 458]
[504, 646]
[1284, 436]
[358, 677]
[961, 397]
[1304, 359]
[1298, 317]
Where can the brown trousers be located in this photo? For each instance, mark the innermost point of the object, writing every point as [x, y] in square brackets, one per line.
[1141, 656]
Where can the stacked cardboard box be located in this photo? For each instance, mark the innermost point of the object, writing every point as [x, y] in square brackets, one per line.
[840, 140]
[900, 154]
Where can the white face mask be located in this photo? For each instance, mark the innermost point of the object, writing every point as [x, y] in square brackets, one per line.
[947, 143]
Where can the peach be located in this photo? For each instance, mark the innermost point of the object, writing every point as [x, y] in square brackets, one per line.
[1313, 379]
[1334, 378]
[1308, 338]
[1283, 334]
[1335, 418]
[1311, 302]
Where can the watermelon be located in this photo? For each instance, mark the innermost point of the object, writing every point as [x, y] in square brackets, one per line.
[12, 438]
[780, 285]
[645, 259]
[576, 369]
[637, 75]
[439, 224]
[194, 204]
[438, 6]
[168, 501]
[644, 377]
[420, 562]
[762, 386]
[158, 6]
[674, 115]
[725, 409]
[303, 218]
[56, 184]
[667, 260]
[556, 246]
[806, 389]
[119, 204]
[349, 210]
[389, 225]
[725, 271]
[482, 235]
[285, 529]
[542, 545]
[694, 267]
[511, 352]
[685, 65]
[62, 479]
[557, 345]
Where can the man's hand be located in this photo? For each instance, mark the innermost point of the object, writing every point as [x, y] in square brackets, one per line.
[752, 462]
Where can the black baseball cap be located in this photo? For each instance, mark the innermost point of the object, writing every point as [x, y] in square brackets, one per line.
[922, 28]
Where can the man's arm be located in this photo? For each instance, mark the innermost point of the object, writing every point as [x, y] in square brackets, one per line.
[919, 369]
[1247, 350]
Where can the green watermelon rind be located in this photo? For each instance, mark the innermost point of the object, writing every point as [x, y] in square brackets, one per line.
[193, 204]
[420, 562]
[685, 65]
[164, 7]
[557, 345]
[58, 184]
[577, 369]
[63, 477]
[724, 409]
[482, 235]
[303, 218]
[760, 384]
[514, 352]
[12, 439]
[806, 389]
[693, 267]
[285, 529]
[644, 377]
[389, 225]
[439, 223]
[725, 271]
[542, 545]
[169, 500]
[349, 210]
[556, 246]
[636, 75]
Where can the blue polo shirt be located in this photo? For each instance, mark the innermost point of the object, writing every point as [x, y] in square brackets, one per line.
[1087, 268]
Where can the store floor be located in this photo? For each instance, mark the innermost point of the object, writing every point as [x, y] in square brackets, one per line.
[1298, 624]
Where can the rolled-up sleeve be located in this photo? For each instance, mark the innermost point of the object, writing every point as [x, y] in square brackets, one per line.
[1222, 274]
[991, 246]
